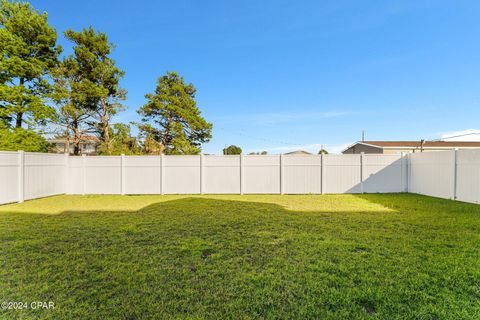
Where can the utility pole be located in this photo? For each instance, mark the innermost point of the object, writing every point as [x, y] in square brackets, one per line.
[363, 135]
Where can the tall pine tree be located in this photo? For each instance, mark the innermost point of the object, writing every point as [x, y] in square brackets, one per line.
[172, 119]
[87, 88]
[28, 53]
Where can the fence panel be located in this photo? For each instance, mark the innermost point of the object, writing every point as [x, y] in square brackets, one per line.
[44, 175]
[103, 175]
[432, 173]
[262, 174]
[142, 174]
[383, 173]
[182, 174]
[342, 173]
[468, 175]
[9, 177]
[221, 174]
[302, 174]
[75, 179]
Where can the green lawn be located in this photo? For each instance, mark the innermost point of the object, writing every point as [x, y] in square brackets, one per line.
[325, 257]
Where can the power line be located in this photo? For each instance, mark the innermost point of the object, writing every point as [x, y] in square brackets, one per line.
[457, 136]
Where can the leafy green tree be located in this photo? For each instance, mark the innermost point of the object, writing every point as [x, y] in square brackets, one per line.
[87, 88]
[28, 52]
[258, 153]
[323, 151]
[172, 119]
[93, 53]
[75, 96]
[122, 141]
[232, 150]
[14, 139]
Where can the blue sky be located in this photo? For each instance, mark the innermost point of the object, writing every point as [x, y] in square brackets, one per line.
[285, 75]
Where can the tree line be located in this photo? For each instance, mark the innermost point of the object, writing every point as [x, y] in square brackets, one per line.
[75, 96]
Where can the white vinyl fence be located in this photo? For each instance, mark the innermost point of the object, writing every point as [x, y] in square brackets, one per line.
[32, 175]
[446, 174]
[451, 174]
[25, 176]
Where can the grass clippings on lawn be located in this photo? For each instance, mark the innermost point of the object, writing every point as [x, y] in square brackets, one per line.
[329, 257]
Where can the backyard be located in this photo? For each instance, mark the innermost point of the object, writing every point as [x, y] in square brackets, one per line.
[379, 256]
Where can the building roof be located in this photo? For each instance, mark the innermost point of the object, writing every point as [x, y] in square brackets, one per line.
[298, 152]
[92, 139]
[416, 144]
[431, 144]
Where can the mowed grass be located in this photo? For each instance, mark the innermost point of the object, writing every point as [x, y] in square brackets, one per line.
[379, 256]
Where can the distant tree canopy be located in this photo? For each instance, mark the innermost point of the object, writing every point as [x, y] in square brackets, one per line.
[122, 141]
[28, 53]
[259, 153]
[323, 151]
[172, 118]
[232, 150]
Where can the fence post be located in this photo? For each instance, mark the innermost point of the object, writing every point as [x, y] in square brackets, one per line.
[241, 174]
[21, 176]
[122, 174]
[455, 176]
[282, 178]
[409, 172]
[84, 169]
[65, 177]
[361, 171]
[322, 173]
[162, 174]
[201, 174]
[403, 171]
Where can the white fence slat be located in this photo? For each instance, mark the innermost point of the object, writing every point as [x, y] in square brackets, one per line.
[342, 173]
[431, 173]
[143, 175]
[162, 174]
[21, 176]
[322, 173]
[262, 174]
[302, 174]
[242, 172]
[362, 165]
[222, 174]
[181, 174]
[9, 177]
[43, 175]
[103, 175]
[383, 173]
[122, 174]
[468, 175]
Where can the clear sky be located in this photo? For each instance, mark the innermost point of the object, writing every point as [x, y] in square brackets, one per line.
[286, 75]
